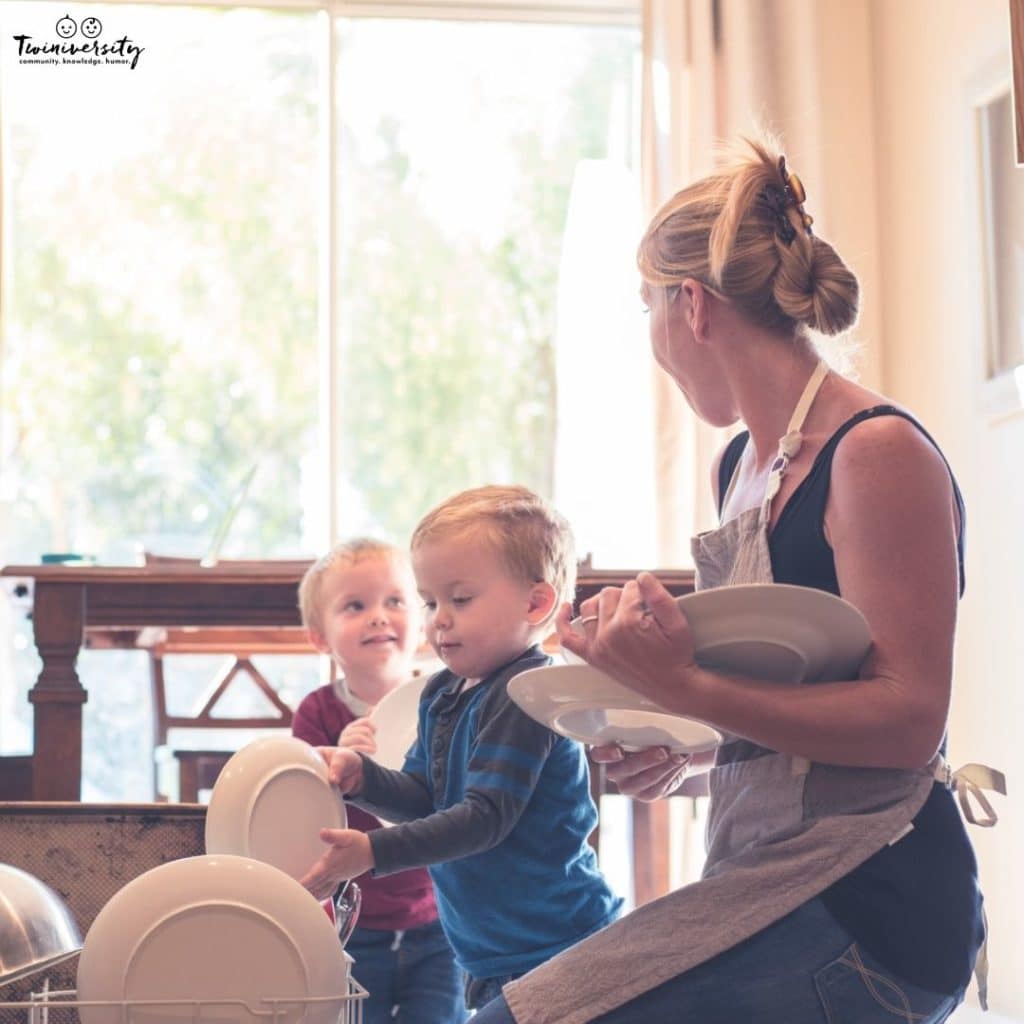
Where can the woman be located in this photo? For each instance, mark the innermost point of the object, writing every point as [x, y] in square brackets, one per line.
[839, 885]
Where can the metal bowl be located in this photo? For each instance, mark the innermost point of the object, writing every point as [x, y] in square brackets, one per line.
[36, 928]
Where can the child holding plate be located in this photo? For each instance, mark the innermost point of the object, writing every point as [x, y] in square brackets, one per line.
[497, 805]
[359, 605]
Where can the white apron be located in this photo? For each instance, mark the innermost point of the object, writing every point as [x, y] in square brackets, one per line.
[780, 830]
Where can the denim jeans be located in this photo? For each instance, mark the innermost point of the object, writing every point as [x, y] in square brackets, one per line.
[480, 991]
[411, 976]
[803, 969]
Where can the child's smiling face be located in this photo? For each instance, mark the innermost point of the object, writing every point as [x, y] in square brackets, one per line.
[479, 616]
[91, 28]
[369, 623]
[66, 27]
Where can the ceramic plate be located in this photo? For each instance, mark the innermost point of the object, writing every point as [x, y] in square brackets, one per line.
[212, 928]
[584, 704]
[396, 718]
[632, 728]
[270, 801]
[774, 631]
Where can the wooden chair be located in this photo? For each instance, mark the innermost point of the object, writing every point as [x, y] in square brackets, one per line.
[197, 769]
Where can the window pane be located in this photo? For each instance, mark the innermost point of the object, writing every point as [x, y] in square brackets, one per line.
[161, 314]
[459, 147]
[160, 317]
[1003, 187]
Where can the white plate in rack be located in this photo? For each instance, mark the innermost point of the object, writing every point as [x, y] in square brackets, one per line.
[774, 631]
[270, 801]
[213, 929]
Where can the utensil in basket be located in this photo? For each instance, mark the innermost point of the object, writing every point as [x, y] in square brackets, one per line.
[348, 898]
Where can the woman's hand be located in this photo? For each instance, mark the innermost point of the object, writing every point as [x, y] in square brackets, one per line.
[344, 769]
[645, 775]
[638, 636]
[348, 856]
[359, 735]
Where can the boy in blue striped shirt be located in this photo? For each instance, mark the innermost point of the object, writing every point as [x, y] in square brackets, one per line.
[495, 804]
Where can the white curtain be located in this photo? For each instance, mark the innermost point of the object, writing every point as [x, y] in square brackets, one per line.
[714, 69]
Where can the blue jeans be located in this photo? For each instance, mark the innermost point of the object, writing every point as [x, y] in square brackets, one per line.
[411, 976]
[804, 969]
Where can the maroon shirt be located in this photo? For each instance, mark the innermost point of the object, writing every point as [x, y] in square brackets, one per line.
[392, 903]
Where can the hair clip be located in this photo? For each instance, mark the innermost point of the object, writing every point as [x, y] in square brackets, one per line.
[777, 200]
[796, 194]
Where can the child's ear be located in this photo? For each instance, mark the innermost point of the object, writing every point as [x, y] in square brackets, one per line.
[543, 599]
[316, 638]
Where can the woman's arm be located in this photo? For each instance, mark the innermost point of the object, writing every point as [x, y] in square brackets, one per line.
[891, 524]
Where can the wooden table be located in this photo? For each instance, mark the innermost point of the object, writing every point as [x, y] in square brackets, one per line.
[73, 602]
[104, 607]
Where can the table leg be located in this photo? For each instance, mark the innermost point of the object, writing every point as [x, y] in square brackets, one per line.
[58, 621]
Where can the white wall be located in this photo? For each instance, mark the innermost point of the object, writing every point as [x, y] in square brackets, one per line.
[929, 58]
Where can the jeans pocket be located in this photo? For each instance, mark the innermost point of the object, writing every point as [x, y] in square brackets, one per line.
[856, 989]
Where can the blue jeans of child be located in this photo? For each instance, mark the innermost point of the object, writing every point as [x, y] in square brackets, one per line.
[804, 969]
[411, 976]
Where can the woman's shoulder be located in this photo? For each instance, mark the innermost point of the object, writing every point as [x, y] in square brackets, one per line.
[882, 457]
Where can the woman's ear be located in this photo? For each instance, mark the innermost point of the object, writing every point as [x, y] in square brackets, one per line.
[543, 599]
[697, 309]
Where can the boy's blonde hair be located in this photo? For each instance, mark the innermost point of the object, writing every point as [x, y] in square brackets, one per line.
[346, 553]
[533, 539]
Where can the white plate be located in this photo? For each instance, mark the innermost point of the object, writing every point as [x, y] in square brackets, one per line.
[212, 928]
[584, 704]
[774, 631]
[395, 718]
[270, 802]
[632, 728]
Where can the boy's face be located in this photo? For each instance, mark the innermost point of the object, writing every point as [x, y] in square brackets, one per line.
[370, 622]
[478, 615]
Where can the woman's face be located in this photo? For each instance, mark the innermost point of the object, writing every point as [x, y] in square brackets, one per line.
[691, 364]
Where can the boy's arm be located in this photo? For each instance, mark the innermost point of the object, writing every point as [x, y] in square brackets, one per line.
[505, 763]
[396, 796]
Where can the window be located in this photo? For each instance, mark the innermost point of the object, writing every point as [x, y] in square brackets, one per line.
[1003, 222]
[366, 254]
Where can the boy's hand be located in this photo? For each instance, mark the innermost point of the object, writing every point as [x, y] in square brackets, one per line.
[360, 735]
[348, 855]
[344, 769]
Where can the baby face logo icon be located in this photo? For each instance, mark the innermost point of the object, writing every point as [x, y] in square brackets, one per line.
[66, 27]
[91, 27]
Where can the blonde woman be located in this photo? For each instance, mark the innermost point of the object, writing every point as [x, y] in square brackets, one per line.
[840, 885]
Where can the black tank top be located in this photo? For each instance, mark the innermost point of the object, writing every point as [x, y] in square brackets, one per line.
[914, 905]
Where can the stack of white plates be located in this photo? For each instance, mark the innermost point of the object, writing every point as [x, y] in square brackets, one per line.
[770, 631]
[238, 936]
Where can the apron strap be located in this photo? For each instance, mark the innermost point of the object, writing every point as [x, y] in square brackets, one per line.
[968, 782]
[791, 442]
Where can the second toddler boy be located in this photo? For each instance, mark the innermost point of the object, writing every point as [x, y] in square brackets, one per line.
[496, 804]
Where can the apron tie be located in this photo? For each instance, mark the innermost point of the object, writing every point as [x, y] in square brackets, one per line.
[968, 782]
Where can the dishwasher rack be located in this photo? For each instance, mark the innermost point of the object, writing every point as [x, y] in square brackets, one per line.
[52, 1006]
